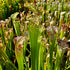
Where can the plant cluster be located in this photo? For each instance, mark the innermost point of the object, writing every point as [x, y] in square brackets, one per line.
[37, 38]
[8, 7]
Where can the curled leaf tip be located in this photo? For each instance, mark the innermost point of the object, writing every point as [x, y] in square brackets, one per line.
[17, 39]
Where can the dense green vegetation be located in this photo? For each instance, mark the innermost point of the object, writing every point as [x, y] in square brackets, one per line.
[35, 35]
[8, 7]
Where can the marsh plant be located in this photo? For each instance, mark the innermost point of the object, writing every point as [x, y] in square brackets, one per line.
[37, 38]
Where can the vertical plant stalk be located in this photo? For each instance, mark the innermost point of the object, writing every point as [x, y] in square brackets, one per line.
[24, 52]
[62, 3]
[9, 46]
[0, 67]
[59, 57]
[42, 56]
[2, 32]
[57, 60]
[17, 28]
[35, 40]
[51, 56]
[18, 41]
[16, 23]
